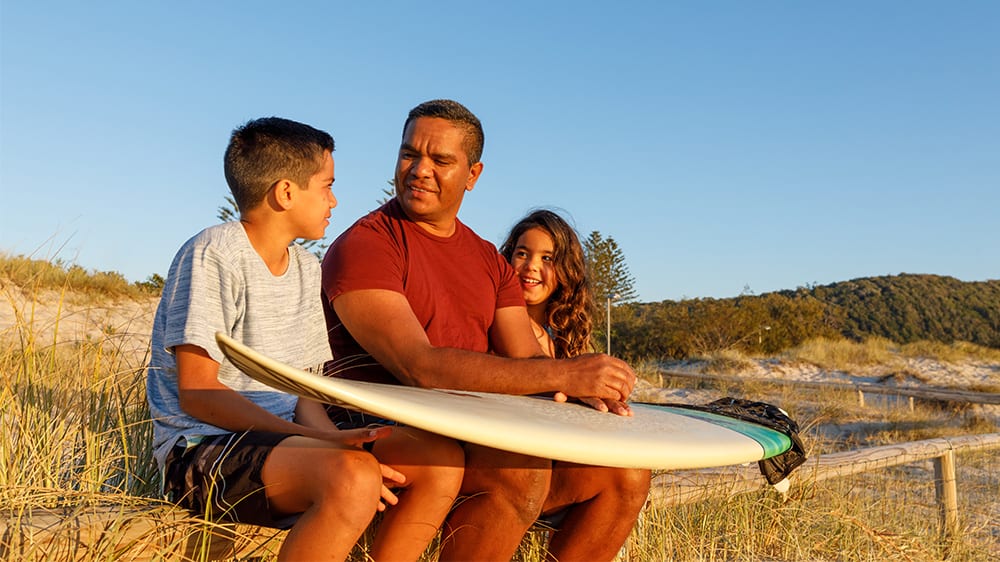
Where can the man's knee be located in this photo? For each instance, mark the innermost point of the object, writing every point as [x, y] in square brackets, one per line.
[633, 485]
[517, 482]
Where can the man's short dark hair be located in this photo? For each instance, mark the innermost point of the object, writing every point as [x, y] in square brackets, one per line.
[458, 114]
[264, 151]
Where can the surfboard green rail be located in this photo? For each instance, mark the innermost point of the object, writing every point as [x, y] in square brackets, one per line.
[773, 442]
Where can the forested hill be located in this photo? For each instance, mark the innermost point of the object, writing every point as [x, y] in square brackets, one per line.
[902, 308]
[906, 308]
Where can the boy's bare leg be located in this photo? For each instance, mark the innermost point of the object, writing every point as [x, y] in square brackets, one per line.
[505, 493]
[337, 490]
[433, 466]
[603, 506]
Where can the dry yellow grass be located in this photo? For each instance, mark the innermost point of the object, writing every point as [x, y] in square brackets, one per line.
[77, 434]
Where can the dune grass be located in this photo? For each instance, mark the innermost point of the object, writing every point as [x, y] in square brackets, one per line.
[847, 355]
[32, 274]
[77, 435]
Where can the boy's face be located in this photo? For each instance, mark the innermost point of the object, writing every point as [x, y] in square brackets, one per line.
[312, 209]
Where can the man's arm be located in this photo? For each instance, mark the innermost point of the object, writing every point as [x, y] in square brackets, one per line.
[383, 324]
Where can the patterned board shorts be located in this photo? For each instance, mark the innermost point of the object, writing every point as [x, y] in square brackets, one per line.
[220, 478]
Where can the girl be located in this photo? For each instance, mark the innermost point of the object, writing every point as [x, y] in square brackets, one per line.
[547, 254]
[593, 507]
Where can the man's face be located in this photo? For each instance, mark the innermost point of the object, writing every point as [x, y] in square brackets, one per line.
[433, 173]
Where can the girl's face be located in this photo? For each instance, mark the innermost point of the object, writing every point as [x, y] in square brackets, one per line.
[533, 262]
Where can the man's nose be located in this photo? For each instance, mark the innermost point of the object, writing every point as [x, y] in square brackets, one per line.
[421, 167]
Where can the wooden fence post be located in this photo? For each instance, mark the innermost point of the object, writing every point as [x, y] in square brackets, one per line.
[947, 493]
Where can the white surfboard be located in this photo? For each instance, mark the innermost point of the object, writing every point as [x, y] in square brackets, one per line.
[659, 437]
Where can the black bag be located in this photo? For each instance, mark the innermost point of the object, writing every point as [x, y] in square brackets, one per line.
[774, 469]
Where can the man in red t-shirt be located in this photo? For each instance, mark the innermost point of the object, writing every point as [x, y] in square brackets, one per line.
[413, 296]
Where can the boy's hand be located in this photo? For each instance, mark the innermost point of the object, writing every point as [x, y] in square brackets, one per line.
[390, 476]
[358, 437]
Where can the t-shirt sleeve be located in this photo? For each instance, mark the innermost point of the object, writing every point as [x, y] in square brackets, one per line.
[509, 286]
[363, 258]
[202, 300]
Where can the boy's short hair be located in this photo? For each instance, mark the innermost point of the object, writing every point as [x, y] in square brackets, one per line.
[263, 151]
[457, 114]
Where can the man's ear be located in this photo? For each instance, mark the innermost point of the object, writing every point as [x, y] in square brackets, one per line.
[282, 193]
[474, 171]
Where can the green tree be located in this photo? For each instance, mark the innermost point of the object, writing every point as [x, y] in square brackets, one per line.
[610, 280]
[609, 274]
[388, 192]
[228, 212]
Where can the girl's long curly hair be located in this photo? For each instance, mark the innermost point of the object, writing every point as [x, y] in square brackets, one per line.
[568, 309]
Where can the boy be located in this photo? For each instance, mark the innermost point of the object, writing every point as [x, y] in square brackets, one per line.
[228, 446]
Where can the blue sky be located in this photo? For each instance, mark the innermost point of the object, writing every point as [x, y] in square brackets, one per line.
[723, 145]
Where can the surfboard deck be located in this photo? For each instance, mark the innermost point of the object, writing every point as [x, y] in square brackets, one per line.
[656, 437]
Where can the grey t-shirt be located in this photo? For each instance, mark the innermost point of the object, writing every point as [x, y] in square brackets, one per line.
[219, 283]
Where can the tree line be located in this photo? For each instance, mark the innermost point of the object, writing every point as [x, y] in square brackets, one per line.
[902, 308]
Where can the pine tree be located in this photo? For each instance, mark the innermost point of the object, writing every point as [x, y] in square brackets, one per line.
[609, 274]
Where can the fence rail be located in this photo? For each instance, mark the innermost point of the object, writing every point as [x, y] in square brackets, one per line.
[674, 488]
[925, 393]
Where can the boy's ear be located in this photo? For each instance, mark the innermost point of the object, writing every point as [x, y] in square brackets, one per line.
[282, 194]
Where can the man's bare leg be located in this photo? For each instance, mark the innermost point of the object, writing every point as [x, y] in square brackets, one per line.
[433, 466]
[505, 493]
[603, 504]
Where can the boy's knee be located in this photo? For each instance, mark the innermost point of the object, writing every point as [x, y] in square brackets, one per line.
[352, 472]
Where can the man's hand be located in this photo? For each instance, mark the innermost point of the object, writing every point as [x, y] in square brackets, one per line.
[604, 405]
[599, 376]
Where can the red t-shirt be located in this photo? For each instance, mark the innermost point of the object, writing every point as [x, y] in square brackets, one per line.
[454, 285]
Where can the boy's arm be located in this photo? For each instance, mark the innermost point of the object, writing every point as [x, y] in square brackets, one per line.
[202, 396]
